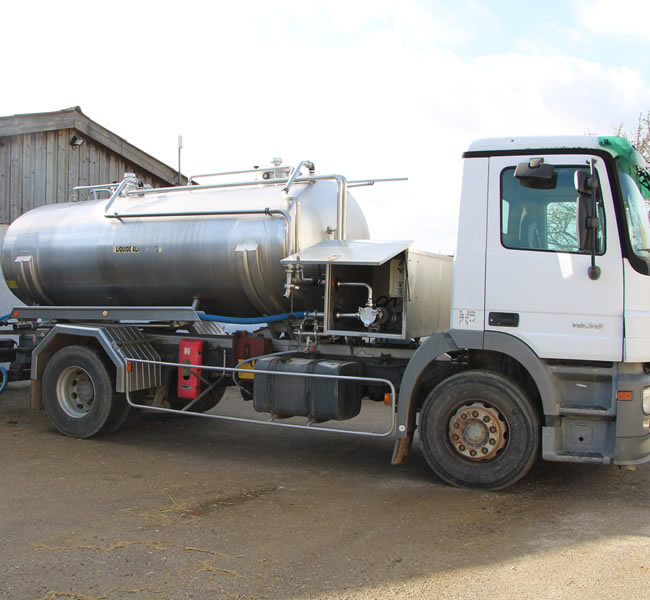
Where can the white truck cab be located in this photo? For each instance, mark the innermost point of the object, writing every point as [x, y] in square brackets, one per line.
[520, 270]
[551, 287]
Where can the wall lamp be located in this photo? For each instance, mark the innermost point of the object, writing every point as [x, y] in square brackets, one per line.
[76, 140]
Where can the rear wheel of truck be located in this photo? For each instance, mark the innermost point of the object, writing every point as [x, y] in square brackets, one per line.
[79, 395]
[479, 430]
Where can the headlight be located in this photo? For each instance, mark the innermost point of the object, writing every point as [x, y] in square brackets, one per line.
[646, 401]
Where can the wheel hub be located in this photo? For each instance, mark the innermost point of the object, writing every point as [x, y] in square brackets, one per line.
[477, 431]
[75, 392]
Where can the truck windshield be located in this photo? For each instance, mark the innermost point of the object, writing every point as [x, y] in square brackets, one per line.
[635, 192]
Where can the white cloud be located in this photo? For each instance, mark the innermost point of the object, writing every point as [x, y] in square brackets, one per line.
[623, 17]
[369, 89]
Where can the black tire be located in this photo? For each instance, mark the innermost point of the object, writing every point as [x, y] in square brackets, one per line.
[123, 413]
[479, 430]
[78, 390]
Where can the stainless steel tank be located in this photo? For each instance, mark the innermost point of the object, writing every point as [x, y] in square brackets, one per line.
[75, 254]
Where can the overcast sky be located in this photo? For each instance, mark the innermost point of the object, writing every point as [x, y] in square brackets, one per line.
[362, 88]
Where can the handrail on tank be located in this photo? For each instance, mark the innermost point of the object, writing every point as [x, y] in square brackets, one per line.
[204, 186]
[288, 237]
[341, 197]
[224, 173]
[105, 187]
[128, 180]
[295, 172]
[341, 200]
[369, 182]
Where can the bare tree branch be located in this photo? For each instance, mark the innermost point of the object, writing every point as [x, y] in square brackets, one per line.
[640, 135]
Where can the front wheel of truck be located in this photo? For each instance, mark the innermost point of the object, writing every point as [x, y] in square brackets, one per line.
[479, 430]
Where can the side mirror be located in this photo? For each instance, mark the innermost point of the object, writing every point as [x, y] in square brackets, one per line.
[585, 223]
[537, 175]
[586, 185]
[583, 183]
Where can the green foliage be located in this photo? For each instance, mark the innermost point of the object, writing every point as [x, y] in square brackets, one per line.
[640, 135]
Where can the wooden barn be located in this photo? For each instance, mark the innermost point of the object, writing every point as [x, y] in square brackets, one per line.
[44, 155]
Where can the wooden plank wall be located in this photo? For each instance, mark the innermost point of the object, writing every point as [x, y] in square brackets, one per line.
[41, 168]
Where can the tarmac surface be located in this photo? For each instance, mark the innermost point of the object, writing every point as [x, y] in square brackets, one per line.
[177, 507]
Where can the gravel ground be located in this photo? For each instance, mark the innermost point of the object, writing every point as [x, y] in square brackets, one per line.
[175, 508]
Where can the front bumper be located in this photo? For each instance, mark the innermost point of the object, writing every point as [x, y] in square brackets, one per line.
[632, 423]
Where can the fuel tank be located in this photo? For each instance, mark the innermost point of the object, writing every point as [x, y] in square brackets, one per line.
[156, 250]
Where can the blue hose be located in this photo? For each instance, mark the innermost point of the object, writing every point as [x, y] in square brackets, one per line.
[5, 379]
[252, 320]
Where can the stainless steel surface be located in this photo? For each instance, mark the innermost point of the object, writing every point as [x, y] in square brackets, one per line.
[120, 343]
[222, 213]
[341, 198]
[277, 170]
[368, 182]
[131, 344]
[427, 307]
[129, 181]
[74, 192]
[424, 287]
[107, 313]
[78, 254]
[206, 328]
[295, 172]
[348, 252]
[369, 302]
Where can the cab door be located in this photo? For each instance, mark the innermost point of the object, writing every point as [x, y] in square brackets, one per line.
[537, 283]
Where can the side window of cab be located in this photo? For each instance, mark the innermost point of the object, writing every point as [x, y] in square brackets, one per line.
[542, 219]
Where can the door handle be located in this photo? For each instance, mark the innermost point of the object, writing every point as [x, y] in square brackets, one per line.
[503, 319]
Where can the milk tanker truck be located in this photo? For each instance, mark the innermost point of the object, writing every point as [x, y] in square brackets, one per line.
[534, 340]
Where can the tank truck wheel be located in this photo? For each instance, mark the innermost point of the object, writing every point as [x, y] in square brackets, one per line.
[78, 392]
[123, 412]
[479, 430]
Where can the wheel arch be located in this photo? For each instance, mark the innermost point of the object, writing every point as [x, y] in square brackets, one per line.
[484, 349]
[66, 335]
